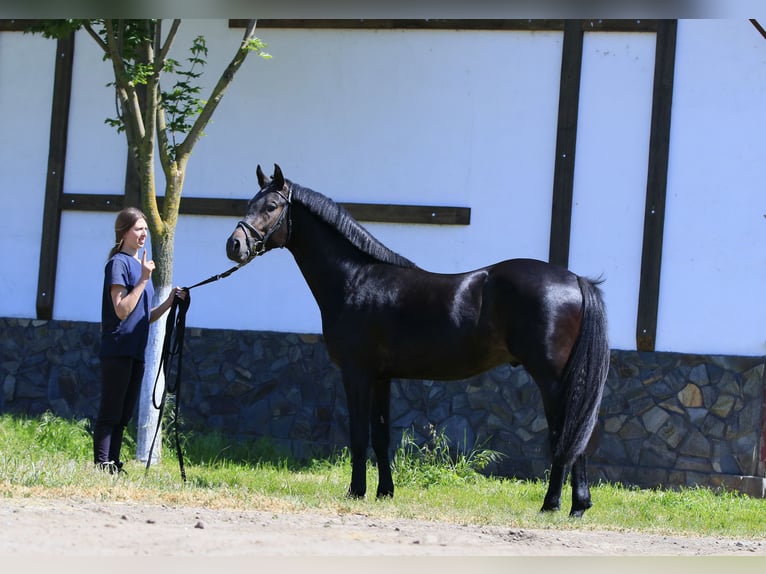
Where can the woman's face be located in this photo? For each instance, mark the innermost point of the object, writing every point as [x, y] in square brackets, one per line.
[135, 237]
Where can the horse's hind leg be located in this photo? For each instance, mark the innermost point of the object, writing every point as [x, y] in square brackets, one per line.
[581, 500]
[380, 425]
[552, 501]
[554, 416]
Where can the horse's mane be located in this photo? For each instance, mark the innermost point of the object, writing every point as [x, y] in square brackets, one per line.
[337, 217]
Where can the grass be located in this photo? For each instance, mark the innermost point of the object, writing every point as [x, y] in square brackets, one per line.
[50, 457]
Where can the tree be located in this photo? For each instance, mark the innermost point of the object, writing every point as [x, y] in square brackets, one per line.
[158, 124]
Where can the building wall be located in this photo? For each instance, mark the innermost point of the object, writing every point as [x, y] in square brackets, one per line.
[464, 118]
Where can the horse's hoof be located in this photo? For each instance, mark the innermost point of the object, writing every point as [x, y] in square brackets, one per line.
[354, 494]
[385, 494]
[578, 512]
[550, 508]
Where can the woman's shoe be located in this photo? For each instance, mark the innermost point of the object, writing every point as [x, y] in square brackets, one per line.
[111, 467]
[107, 466]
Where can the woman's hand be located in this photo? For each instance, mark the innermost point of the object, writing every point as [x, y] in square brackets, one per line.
[160, 309]
[179, 292]
[146, 267]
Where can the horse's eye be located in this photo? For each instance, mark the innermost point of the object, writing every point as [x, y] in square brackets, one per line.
[271, 207]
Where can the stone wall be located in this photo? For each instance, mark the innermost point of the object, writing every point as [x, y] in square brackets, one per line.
[667, 419]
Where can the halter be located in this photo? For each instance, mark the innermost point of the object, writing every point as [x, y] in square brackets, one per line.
[256, 243]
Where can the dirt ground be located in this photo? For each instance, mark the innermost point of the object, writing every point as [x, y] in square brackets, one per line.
[68, 528]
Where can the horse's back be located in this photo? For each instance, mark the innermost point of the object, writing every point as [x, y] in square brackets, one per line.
[533, 272]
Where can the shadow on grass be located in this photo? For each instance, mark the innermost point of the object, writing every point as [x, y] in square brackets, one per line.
[218, 449]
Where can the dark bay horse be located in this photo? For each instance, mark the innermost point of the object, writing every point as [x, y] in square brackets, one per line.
[384, 317]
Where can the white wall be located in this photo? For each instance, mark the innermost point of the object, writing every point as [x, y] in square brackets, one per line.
[611, 162]
[26, 86]
[444, 117]
[714, 254]
[96, 162]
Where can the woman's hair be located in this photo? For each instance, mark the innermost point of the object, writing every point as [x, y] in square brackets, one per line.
[126, 219]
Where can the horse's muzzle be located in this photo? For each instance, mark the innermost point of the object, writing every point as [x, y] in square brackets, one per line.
[236, 247]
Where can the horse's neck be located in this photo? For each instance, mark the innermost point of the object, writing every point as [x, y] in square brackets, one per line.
[324, 256]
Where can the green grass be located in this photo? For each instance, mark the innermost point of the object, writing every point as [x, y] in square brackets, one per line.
[51, 457]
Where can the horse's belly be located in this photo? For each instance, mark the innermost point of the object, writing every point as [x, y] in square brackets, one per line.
[423, 348]
[445, 363]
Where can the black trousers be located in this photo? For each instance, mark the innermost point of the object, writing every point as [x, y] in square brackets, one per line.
[120, 388]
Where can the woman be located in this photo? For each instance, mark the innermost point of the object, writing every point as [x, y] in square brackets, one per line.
[125, 316]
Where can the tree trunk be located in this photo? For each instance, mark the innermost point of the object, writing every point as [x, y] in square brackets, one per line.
[148, 414]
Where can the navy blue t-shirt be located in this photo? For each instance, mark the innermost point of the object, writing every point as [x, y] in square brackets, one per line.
[128, 337]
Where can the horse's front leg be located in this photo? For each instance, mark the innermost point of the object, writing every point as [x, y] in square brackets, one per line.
[358, 399]
[380, 425]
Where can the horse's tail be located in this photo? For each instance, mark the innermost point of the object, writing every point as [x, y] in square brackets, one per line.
[584, 377]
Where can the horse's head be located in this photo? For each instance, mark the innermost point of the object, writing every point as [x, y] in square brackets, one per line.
[267, 222]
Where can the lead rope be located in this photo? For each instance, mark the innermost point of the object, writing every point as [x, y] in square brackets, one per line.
[175, 324]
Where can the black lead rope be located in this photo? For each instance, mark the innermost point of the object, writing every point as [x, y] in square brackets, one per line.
[173, 346]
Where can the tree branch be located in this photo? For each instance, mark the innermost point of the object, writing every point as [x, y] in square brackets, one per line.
[162, 139]
[220, 88]
[134, 125]
[758, 27]
[93, 34]
[161, 122]
[163, 53]
[149, 199]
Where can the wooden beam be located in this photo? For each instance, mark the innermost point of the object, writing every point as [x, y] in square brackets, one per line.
[226, 207]
[416, 214]
[16, 25]
[634, 25]
[212, 206]
[566, 140]
[54, 184]
[132, 181]
[656, 186]
[403, 24]
[93, 202]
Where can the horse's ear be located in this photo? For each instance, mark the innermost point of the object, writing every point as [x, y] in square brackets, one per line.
[262, 181]
[278, 178]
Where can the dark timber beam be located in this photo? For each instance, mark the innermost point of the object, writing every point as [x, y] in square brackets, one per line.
[224, 207]
[634, 25]
[656, 186]
[17, 25]
[566, 140]
[54, 183]
[402, 24]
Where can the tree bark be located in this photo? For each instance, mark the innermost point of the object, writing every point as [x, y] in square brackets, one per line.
[151, 393]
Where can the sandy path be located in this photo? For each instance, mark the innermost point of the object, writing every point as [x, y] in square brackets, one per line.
[44, 527]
